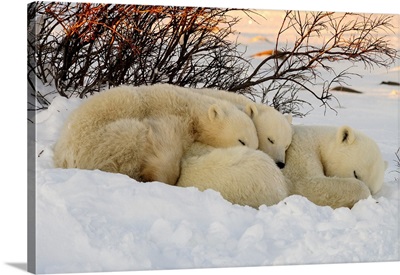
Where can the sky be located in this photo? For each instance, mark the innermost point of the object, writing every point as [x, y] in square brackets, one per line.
[265, 24]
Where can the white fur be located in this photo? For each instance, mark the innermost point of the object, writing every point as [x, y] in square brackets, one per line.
[273, 128]
[113, 123]
[322, 164]
[242, 175]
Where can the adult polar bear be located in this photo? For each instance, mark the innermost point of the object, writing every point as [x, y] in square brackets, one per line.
[119, 114]
[273, 128]
[331, 166]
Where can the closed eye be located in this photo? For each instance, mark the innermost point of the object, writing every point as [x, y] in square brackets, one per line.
[355, 174]
[270, 140]
[242, 142]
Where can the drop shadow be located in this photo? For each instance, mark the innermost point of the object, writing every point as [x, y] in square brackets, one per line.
[21, 266]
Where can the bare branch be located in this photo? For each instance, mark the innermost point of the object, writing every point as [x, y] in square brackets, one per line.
[322, 39]
[82, 48]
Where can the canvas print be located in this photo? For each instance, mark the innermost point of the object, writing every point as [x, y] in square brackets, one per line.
[181, 137]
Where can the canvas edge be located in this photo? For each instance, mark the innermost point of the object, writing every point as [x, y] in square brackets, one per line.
[31, 153]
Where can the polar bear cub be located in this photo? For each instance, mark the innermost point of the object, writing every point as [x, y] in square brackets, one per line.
[242, 175]
[334, 166]
[207, 120]
[330, 166]
[273, 128]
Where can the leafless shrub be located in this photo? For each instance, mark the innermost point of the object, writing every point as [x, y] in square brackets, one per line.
[397, 160]
[322, 39]
[83, 48]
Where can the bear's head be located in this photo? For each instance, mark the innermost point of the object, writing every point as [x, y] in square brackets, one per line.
[227, 126]
[274, 132]
[351, 153]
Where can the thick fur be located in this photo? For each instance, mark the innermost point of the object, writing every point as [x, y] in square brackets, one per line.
[242, 175]
[273, 128]
[333, 166]
[107, 130]
[146, 150]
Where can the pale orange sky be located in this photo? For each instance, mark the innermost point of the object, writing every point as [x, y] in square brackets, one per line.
[267, 28]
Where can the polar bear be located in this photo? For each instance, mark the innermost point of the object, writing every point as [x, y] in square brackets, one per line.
[242, 175]
[333, 166]
[210, 121]
[146, 150]
[273, 128]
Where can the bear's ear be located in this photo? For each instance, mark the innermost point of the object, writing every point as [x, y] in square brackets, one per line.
[215, 112]
[289, 118]
[345, 134]
[251, 110]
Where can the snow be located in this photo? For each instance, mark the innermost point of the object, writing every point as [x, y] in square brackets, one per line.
[89, 221]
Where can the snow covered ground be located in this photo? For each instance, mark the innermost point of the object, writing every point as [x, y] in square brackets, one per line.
[90, 221]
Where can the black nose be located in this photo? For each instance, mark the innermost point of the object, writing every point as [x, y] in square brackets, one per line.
[280, 164]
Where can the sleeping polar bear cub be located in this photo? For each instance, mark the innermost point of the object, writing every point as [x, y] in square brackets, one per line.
[274, 129]
[330, 166]
[242, 175]
[334, 166]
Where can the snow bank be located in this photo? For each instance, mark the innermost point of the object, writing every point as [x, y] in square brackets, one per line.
[90, 221]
